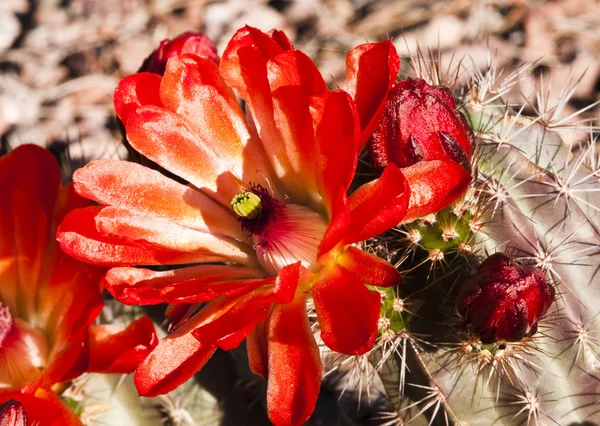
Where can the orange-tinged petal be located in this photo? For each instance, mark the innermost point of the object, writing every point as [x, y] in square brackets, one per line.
[347, 311]
[228, 320]
[378, 205]
[369, 268]
[434, 185]
[229, 315]
[176, 358]
[42, 180]
[193, 88]
[79, 238]
[244, 67]
[371, 71]
[140, 189]
[336, 146]
[281, 39]
[257, 346]
[44, 408]
[134, 91]
[29, 236]
[245, 39]
[294, 369]
[138, 286]
[68, 362]
[30, 181]
[117, 350]
[338, 226]
[191, 292]
[166, 139]
[135, 227]
[298, 92]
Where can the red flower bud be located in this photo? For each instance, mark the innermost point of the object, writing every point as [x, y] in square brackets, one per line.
[196, 43]
[504, 300]
[422, 132]
[420, 123]
[12, 414]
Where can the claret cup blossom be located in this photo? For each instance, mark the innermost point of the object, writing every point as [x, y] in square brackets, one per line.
[48, 300]
[266, 222]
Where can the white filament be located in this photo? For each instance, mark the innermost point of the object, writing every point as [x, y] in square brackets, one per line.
[293, 237]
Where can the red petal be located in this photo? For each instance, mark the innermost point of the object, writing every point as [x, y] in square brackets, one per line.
[281, 39]
[134, 91]
[338, 227]
[228, 315]
[336, 146]
[295, 368]
[371, 71]
[140, 189]
[79, 238]
[244, 67]
[369, 268]
[257, 346]
[43, 409]
[137, 286]
[41, 180]
[166, 139]
[232, 318]
[68, 361]
[245, 39]
[176, 359]
[298, 92]
[434, 185]
[287, 282]
[347, 311]
[156, 232]
[29, 238]
[114, 350]
[30, 181]
[378, 205]
[193, 89]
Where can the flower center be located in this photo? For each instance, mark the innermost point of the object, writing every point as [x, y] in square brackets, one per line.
[6, 323]
[23, 350]
[282, 234]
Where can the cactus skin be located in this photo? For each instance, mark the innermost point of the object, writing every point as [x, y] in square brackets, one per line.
[538, 201]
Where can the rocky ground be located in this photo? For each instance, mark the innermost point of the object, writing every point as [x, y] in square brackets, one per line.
[61, 59]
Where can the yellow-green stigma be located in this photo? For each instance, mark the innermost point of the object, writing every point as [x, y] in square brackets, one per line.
[247, 205]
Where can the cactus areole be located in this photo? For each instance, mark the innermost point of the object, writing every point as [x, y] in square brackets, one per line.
[504, 301]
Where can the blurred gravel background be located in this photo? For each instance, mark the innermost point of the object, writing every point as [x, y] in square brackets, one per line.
[61, 59]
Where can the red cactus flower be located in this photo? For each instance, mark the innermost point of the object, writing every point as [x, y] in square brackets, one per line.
[504, 300]
[267, 196]
[194, 43]
[424, 133]
[48, 300]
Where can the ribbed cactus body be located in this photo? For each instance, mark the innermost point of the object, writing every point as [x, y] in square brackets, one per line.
[538, 201]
